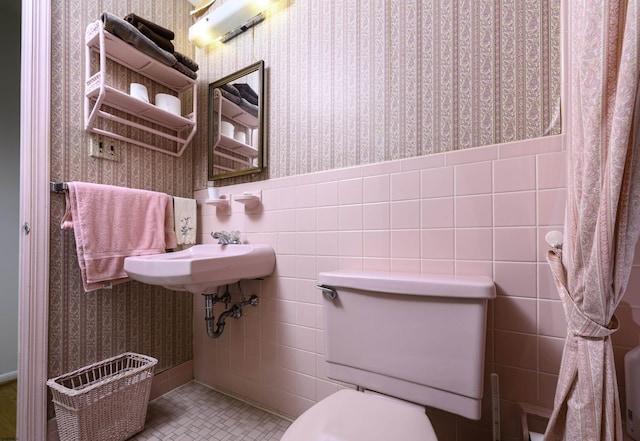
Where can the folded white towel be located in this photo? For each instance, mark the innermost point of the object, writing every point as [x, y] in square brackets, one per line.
[185, 220]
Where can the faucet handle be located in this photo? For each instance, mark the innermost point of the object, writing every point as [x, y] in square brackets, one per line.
[222, 236]
[226, 238]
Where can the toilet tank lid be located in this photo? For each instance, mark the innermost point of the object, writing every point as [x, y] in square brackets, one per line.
[436, 285]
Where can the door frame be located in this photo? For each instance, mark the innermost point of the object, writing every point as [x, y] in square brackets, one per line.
[35, 121]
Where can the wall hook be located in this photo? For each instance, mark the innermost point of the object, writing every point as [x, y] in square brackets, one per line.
[555, 240]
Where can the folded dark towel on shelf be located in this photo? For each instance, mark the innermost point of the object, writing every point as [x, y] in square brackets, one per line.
[247, 92]
[157, 39]
[180, 67]
[127, 32]
[187, 61]
[251, 108]
[163, 32]
[233, 94]
[230, 93]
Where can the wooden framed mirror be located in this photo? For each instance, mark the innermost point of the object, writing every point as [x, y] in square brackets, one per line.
[236, 123]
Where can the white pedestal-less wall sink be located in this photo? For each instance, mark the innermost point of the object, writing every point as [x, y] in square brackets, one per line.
[202, 268]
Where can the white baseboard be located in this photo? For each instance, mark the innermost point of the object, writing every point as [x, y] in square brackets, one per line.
[9, 376]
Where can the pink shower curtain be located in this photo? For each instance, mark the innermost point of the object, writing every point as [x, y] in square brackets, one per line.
[602, 214]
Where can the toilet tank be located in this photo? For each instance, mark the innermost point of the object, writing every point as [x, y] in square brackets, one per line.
[417, 337]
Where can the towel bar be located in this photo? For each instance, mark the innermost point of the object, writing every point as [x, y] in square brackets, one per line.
[58, 187]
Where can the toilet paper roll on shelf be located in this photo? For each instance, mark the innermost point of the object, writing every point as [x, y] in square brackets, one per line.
[139, 91]
[169, 103]
[227, 129]
[241, 137]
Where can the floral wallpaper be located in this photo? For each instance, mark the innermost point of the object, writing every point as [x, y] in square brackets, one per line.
[353, 83]
[87, 327]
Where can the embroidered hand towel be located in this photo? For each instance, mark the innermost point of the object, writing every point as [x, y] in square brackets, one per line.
[185, 220]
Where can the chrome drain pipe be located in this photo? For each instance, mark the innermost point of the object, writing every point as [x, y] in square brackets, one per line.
[235, 311]
[209, 319]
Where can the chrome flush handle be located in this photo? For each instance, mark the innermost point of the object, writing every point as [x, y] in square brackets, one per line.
[329, 292]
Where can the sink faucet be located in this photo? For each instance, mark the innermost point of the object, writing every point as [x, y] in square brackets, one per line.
[225, 238]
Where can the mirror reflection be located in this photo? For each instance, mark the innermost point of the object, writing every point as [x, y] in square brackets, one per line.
[236, 123]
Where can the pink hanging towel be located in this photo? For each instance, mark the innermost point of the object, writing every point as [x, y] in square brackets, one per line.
[111, 223]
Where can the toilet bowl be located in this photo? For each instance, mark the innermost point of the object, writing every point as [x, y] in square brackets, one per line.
[348, 415]
[411, 338]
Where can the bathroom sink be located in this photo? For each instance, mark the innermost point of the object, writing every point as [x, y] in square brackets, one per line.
[202, 268]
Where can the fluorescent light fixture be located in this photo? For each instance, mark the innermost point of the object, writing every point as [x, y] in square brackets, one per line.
[227, 20]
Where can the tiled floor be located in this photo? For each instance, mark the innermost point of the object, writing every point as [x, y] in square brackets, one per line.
[194, 412]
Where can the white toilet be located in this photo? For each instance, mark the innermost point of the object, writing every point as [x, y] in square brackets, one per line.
[417, 339]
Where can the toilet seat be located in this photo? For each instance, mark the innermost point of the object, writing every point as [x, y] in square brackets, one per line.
[348, 415]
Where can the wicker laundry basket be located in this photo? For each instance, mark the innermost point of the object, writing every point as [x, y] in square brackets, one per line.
[104, 401]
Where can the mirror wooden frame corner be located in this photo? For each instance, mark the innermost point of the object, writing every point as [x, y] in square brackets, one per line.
[213, 120]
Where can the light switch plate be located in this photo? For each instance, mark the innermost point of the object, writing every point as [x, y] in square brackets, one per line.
[104, 149]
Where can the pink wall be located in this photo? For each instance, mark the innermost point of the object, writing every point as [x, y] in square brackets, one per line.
[479, 211]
